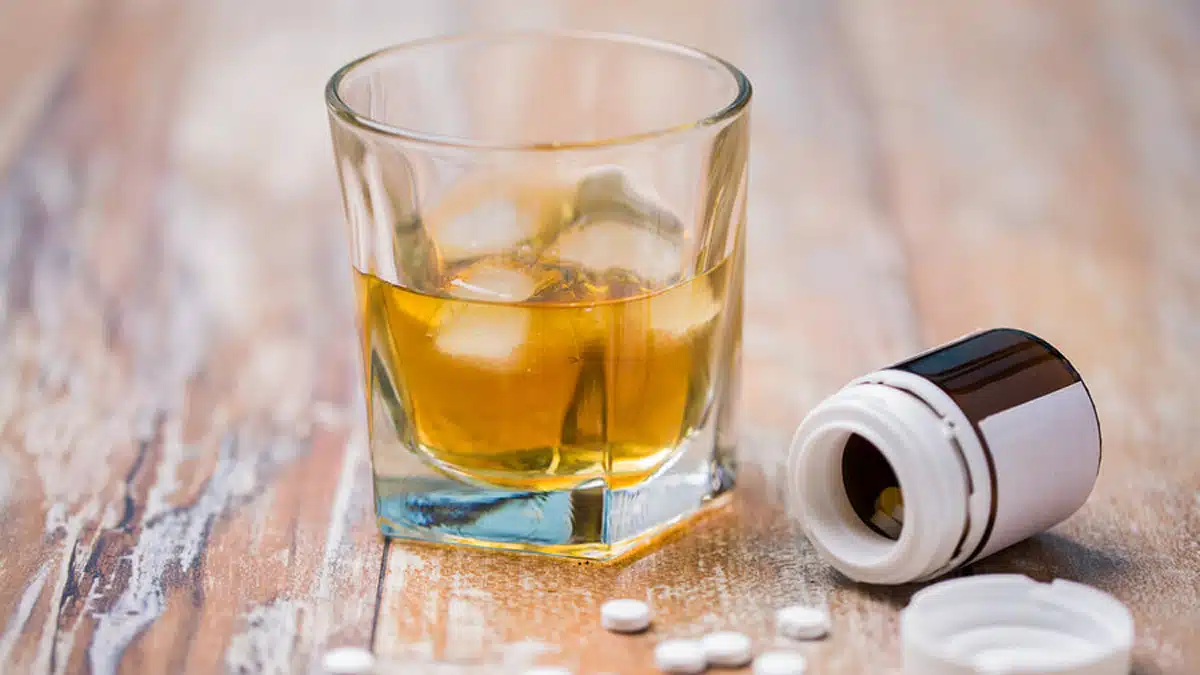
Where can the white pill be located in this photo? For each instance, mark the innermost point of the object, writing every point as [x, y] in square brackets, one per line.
[779, 663]
[802, 623]
[348, 661]
[625, 616]
[887, 524]
[548, 670]
[680, 656]
[726, 648]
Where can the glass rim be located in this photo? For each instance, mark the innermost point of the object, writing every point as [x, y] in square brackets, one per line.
[343, 111]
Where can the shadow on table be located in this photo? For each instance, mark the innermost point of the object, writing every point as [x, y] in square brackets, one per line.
[1045, 557]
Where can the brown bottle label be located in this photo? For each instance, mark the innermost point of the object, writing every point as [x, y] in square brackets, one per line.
[1034, 419]
[989, 372]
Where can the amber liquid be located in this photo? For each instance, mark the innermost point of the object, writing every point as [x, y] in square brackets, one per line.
[590, 376]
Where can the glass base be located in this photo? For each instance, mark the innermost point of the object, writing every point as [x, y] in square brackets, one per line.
[590, 521]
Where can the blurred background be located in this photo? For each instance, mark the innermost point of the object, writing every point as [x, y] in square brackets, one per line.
[917, 172]
[178, 376]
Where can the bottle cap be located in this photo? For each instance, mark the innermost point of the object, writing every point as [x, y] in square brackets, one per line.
[1009, 624]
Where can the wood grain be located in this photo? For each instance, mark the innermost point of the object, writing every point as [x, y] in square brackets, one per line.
[184, 483]
[185, 489]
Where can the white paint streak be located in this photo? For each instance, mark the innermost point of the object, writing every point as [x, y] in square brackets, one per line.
[473, 636]
[166, 480]
[268, 643]
[352, 460]
[466, 629]
[524, 653]
[174, 541]
[403, 563]
[50, 644]
[330, 415]
[335, 560]
[505, 659]
[55, 642]
[67, 418]
[16, 622]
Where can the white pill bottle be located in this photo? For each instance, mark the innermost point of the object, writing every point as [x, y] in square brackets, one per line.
[988, 440]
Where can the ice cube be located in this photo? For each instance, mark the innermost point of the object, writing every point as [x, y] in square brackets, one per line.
[608, 244]
[490, 226]
[493, 281]
[607, 193]
[486, 332]
[489, 334]
[481, 217]
[683, 309]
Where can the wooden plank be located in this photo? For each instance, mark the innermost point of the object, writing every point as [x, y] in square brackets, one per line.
[1045, 164]
[826, 300]
[183, 473]
[64, 447]
[973, 154]
[184, 491]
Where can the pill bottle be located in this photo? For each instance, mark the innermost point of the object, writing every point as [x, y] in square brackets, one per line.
[917, 469]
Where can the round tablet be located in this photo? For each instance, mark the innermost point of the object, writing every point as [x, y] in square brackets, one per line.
[348, 661]
[802, 623]
[779, 663]
[680, 656]
[726, 648]
[625, 616]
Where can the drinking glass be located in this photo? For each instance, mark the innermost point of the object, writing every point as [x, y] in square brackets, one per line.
[546, 231]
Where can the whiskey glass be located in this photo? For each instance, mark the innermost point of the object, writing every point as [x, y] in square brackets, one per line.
[547, 240]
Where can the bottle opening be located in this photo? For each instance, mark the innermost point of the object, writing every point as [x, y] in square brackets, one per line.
[858, 462]
[872, 487]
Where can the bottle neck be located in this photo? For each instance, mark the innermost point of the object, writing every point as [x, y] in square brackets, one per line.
[851, 445]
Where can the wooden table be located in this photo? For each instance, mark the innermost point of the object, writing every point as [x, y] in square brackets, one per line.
[184, 480]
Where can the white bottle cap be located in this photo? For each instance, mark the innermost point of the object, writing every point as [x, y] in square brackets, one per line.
[1008, 624]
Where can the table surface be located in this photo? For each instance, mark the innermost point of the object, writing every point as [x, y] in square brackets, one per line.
[184, 482]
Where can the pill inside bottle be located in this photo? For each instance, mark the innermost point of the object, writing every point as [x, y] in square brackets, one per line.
[872, 487]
